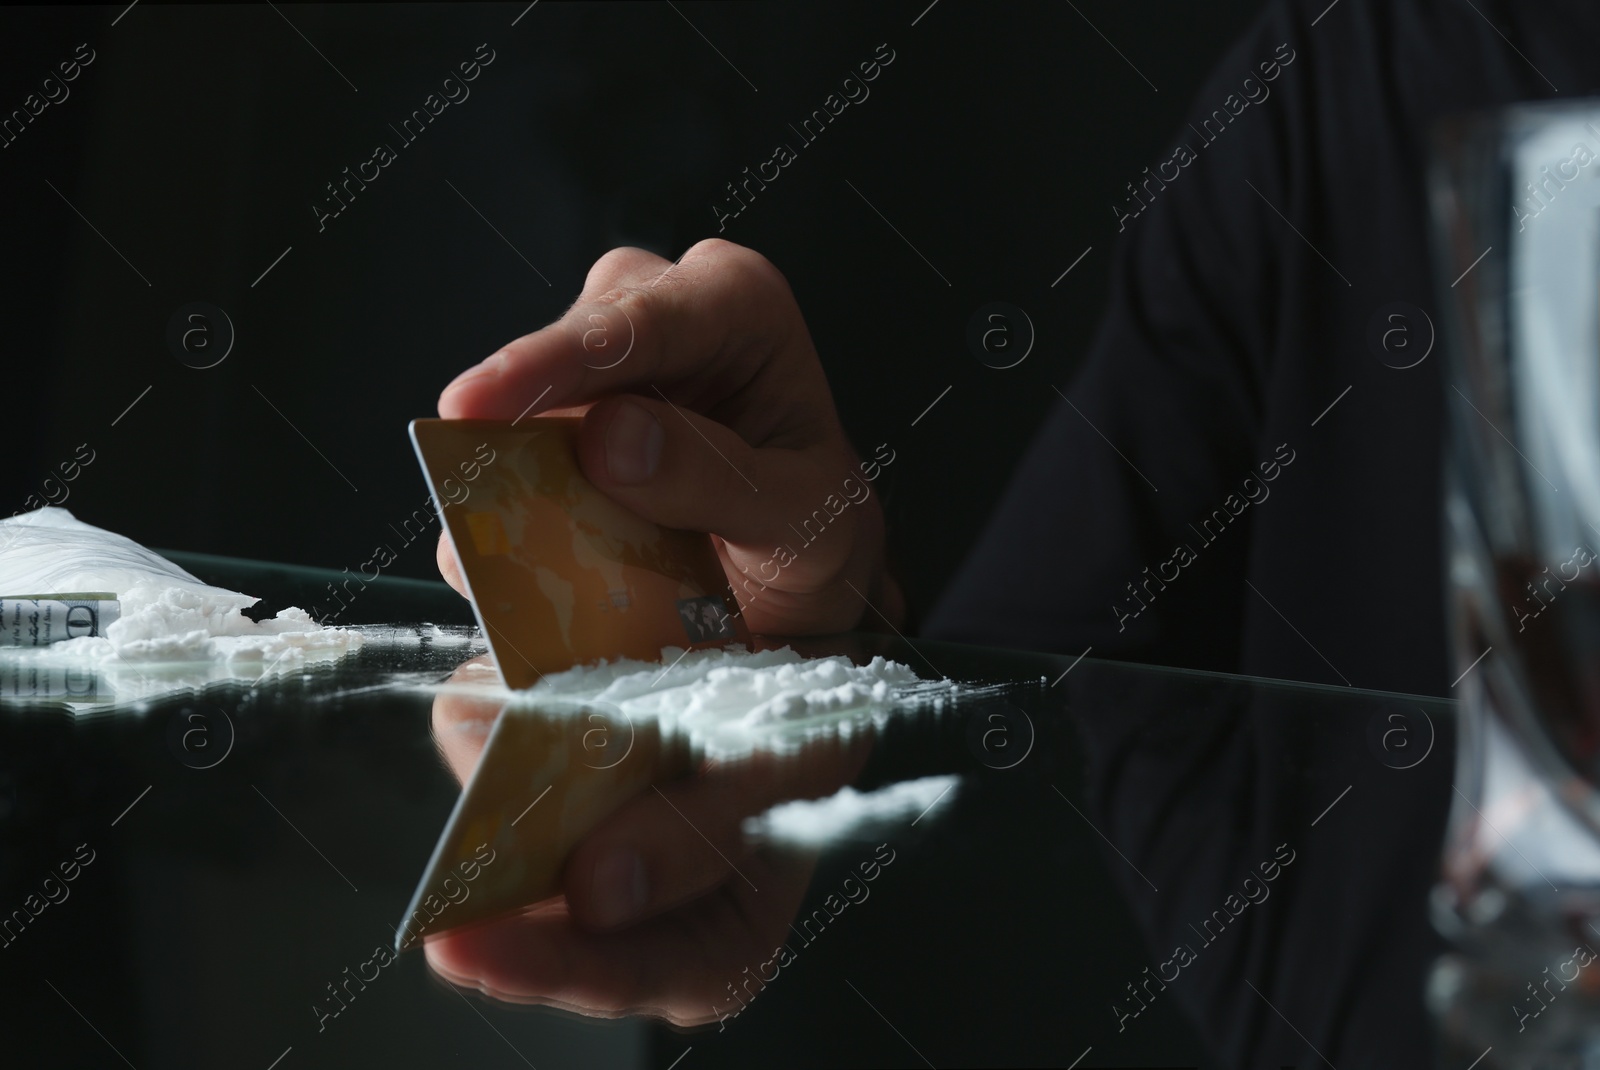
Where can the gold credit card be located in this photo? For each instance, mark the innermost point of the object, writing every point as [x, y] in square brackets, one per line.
[558, 573]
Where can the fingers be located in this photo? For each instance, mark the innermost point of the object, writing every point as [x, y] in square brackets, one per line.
[449, 567]
[541, 958]
[674, 844]
[461, 725]
[707, 410]
[640, 320]
[683, 470]
[676, 967]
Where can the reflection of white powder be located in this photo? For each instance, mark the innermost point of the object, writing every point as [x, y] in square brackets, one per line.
[850, 813]
[168, 616]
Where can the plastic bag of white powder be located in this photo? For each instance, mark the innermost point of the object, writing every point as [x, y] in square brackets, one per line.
[167, 615]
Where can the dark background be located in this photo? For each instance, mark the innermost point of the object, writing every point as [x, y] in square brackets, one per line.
[200, 136]
[197, 142]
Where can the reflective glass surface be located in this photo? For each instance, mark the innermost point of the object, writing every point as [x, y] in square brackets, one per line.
[1134, 866]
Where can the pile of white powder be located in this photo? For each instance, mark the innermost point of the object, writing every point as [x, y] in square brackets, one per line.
[727, 700]
[167, 615]
[703, 687]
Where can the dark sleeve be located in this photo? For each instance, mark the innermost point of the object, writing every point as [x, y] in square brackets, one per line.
[1164, 421]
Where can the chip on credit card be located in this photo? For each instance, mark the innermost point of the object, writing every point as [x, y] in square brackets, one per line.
[558, 573]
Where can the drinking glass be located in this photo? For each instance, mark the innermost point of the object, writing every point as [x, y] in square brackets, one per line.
[1515, 200]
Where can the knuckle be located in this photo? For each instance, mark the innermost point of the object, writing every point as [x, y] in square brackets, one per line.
[619, 265]
[714, 249]
[629, 304]
[605, 326]
[740, 260]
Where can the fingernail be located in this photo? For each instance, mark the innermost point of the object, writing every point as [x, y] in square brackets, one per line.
[489, 367]
[619, 888]
[633, 444]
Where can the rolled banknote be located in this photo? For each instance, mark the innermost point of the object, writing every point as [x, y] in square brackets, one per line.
[39, 620]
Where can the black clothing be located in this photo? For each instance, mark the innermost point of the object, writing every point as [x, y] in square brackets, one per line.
[1243, 294]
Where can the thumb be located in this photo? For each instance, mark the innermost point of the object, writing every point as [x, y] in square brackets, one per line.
[684, 470]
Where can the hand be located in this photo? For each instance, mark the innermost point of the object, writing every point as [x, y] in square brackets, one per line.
[664, 905]
[705, 407]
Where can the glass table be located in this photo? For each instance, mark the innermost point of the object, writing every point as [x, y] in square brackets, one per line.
[1137, 866]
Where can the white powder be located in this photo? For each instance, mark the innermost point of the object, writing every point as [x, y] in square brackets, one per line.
[706, 687]
[728, 701]
[167, 615]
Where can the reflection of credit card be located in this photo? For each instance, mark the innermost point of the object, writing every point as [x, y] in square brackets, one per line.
[545, 779]
[559, 574]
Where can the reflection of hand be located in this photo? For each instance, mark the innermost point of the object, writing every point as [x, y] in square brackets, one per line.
[750, 410]
[676, 965]
[461, 721]
[665, 904]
